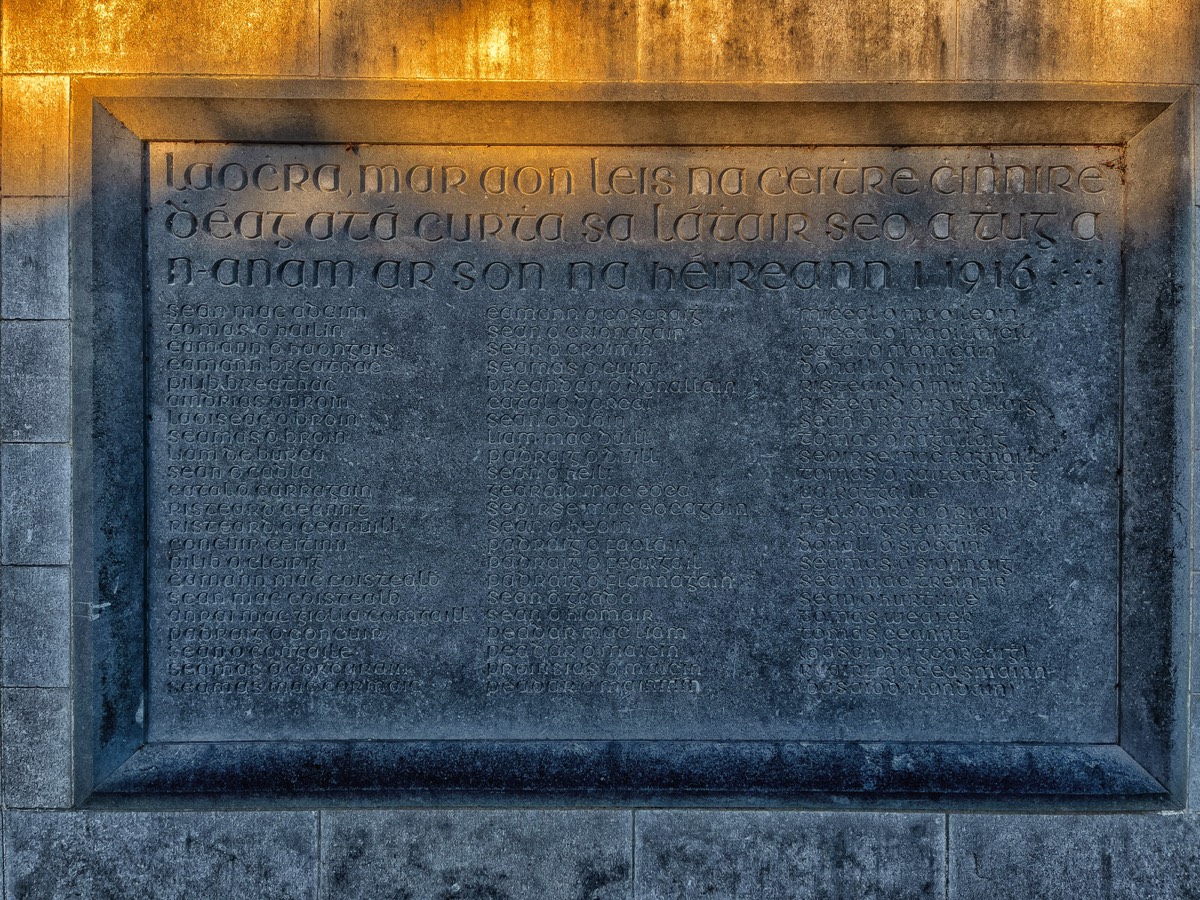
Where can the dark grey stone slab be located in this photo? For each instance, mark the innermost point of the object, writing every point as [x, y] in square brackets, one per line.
[35, 624]
[417, 468]
[1124, 857]
[511, 855]
[34, 381]
[115, 856]
[35, 747]
[35, 504]
[33, 258]
[817, 856]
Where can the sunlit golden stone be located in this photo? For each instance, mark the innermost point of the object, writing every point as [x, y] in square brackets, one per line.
[235, 37]
[558, 40]
[796, 40]
[36, 130]
[1080, 40]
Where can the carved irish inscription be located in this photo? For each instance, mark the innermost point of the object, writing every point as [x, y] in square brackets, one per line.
[637, 443]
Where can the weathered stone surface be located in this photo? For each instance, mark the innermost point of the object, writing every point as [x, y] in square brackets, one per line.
[35, 504]
[35, 624]
[1068, 40]
[161, 855]
[1193, 795]
[35, 747]
[1196, 139]
[796, 40]
[455, 483]
[749, 855]
[35, 362]
[556, 40]
[1079, 40]
[241, 37]
[1126, 857]
[1156, 474]
[36, 133]
[555, 855]
[361, 335]
[1195, 636]
[33, 258]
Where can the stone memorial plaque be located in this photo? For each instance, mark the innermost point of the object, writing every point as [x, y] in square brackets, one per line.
[629, 452]
[470, 443]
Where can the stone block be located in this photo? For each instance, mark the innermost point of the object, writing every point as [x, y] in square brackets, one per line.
[35, 626]
[33, 258]
[260, 855]
[727, 438]
[35, 747]
[752, 855]
[1195, 379]
[35, 400]
[36, 132]
[1124, 857]
[554, 40]
[1196, 140]
[1079, 40]
[1193, 792]
[551, 855]
[35, 504]
[796, 40]
[1194, 683]
[231, 37]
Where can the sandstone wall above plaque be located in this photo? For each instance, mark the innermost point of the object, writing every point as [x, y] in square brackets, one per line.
[481, 451]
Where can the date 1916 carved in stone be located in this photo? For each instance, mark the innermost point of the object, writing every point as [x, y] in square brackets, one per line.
[519, 442]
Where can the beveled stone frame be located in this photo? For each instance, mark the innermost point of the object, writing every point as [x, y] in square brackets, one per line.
[115, 766]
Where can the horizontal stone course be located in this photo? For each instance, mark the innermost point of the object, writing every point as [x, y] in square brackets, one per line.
[1016, 857]
[796, 40]
[550, 855]
[818, 856]
[242, 37]
[106, 856]
[1079, 40]
[559, 40]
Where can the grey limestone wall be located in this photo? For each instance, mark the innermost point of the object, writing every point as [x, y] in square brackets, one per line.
[50, 850]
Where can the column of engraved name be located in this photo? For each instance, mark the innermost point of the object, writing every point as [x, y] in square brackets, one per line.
[256, 338]
[630, 441]
[925, 430]
[578, 489]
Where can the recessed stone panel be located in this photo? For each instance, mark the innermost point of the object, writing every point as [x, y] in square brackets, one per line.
[471, 443]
